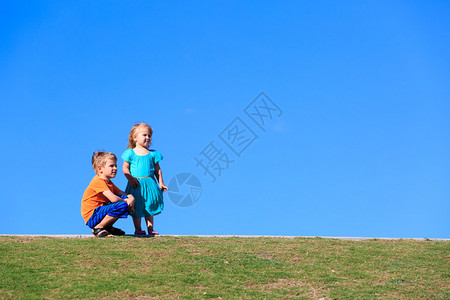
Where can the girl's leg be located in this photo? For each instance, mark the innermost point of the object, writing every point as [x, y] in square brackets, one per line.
[150, 222]
[137, 224]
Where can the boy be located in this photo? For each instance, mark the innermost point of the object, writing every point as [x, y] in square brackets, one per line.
[102, 203]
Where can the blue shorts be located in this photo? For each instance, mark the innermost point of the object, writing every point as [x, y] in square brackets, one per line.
[117, 209]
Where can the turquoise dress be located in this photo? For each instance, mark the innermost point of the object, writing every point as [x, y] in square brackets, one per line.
[148, 196]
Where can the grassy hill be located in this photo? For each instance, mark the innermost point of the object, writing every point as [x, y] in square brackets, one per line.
[196, 267]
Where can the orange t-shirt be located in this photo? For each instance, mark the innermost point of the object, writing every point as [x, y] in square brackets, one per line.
[93, 196]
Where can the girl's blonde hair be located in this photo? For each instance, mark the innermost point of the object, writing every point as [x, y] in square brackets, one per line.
[99, 158]
[134, 131]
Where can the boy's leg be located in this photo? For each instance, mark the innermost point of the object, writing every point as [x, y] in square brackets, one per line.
[105, 216]
[106, 222]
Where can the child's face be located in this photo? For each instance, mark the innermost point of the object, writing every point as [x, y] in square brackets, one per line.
[109, 170]
[143, 137]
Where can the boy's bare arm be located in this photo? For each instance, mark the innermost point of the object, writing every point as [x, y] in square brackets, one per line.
[114, 198]
[111, 196]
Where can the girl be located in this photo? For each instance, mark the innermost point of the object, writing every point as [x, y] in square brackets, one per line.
[145, 182]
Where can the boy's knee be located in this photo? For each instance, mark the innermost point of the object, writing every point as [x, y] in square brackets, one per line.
[121, 207]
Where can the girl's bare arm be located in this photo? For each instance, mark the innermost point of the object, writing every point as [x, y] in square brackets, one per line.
[158, 174]
[126, 171]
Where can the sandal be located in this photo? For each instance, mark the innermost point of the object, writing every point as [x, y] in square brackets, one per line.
[101, 232]
[141, 232]
[115, 231]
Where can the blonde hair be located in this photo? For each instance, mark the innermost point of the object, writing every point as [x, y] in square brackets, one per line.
[99, 158]
[134, 131]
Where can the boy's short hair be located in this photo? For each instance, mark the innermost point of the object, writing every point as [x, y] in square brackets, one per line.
[99, 158]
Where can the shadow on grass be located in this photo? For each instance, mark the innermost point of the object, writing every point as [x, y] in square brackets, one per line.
[140, 236]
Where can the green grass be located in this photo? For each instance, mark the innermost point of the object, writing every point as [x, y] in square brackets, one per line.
[196, 267]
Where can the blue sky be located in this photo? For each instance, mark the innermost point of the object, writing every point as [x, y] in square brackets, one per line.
[360, 146]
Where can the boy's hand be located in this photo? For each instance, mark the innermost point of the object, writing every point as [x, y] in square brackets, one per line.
[163, 187]
[130, 202]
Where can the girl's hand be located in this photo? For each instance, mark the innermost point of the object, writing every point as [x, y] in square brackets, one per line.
[133, 181]
[126, 171]
[163, 187]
